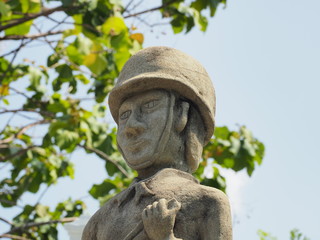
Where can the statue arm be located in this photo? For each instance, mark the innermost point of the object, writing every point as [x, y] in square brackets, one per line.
[159, 219]
[89, 231]
[218, 224]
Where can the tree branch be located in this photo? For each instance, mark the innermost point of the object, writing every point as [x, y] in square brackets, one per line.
[34, 36]
[15, 50]
[48, 114]
[33, 16]
[128, 5]
[20, 152]
[107, 158]
[34, 224]
[14, 56]
[13, 237]
[74, 23]
[23, 130]
[6, 221]
[12, 203]
[150, 10]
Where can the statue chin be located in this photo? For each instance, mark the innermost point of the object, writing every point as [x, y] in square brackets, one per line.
[140, 163]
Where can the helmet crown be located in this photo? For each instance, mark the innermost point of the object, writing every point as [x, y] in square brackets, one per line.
[169, 69]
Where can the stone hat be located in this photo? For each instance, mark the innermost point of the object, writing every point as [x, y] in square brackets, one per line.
[169, 69]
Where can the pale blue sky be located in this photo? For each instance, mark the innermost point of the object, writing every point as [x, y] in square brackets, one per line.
[264, 59]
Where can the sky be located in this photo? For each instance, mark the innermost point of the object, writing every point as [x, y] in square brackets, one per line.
[264, 60]
[263, 57]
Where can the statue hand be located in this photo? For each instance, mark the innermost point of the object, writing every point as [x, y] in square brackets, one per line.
[159, 218]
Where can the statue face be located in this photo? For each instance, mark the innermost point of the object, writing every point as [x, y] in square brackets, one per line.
[142, 119]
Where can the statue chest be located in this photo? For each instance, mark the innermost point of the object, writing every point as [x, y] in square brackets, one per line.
[122, 215]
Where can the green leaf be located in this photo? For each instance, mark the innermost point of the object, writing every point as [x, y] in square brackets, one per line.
[66, 139]
[67, 3]
[35, 80]
[97, 63]
[55, 126]
[20, 29]
[4, 9]
[52, 59]
[5, 101]
[121, 57]
[178, 24]
[4, 90]
[199, 4]
[82, 78]
[30, 6]
[65, 75]
[65, 72]
[35, 76]
[100, 190]
[114, 26]
[77, 50]
[42, 210]
[221, 132]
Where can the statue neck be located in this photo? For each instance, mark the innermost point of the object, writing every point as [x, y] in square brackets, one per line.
[179, 164]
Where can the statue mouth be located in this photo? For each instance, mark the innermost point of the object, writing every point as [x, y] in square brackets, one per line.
[137, 145]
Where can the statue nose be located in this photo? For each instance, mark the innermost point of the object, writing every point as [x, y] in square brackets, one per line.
[134, 126]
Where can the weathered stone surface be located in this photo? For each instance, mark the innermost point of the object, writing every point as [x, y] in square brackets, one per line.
[164, 106]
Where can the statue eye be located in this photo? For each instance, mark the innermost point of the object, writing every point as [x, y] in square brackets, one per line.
[151, 104]
[125, 115]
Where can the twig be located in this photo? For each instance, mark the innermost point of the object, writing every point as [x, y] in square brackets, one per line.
[17, 110]
[11, 62]
[8, 122]
[20, 152]
[34, 36]
[153, 24]
[136, 5]
[23, 130]
[19, 92]
[42, 195]
[37, 224]
[71, 63]
[65, 18]
[27, 117]
[12, 203]
[107, 158]
[128, 5]
[77, 24]
[48, 114]
[150, 10]
[13, 237]
[6, 221]
[33, 16]
[15, 50]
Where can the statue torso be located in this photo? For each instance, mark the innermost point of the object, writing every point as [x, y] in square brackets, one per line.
[121, 214]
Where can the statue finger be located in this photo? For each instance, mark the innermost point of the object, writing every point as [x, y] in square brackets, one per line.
[155, 207]
[149, 209]
[145, 213]
[162, 204]
[173, 204]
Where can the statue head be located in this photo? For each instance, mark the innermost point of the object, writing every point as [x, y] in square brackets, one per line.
[164, 105]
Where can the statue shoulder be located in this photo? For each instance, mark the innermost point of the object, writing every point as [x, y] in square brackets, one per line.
[218, 215]
[90, 230]
[92, 227]
[214, 194]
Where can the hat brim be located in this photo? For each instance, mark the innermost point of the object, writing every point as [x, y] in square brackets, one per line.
[148, 81]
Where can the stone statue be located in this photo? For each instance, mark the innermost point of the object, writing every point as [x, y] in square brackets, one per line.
[164, 105]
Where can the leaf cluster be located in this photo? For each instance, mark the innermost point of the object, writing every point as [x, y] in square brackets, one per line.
[56, 107]
[295, 234]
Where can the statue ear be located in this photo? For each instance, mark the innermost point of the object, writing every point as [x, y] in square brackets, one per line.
[183, 118]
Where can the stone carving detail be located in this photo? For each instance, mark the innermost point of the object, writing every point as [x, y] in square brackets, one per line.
[164, 105]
